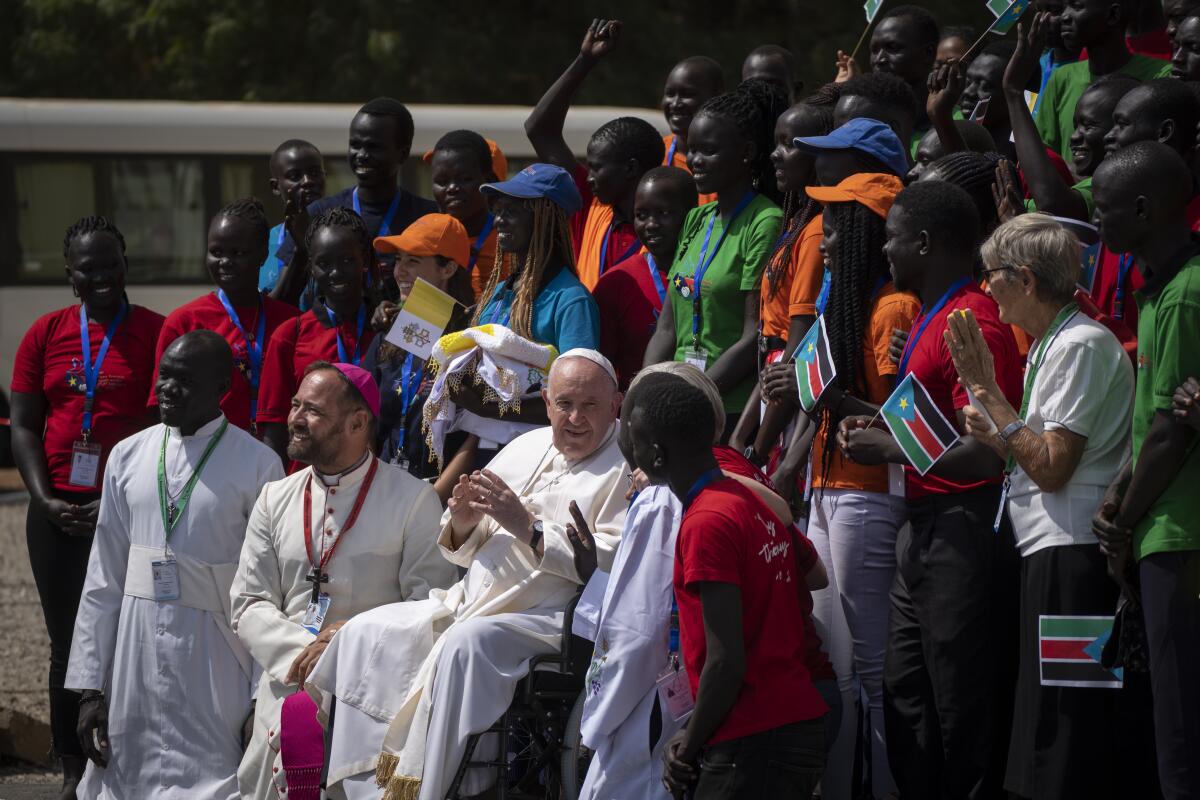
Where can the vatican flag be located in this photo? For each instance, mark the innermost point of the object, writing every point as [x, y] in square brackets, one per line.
[422, 320]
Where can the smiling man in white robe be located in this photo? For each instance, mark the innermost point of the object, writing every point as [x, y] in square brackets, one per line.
[416, 680]
[346, 534]
[166, 685]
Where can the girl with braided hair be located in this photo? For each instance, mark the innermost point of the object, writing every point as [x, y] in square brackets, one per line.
[238, 240]
[54, 375]
[335, 329]
[711, 320]
[855, 518]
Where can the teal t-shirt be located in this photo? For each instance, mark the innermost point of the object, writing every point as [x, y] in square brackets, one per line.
[1055, 118]
[564, 313]
[1168, 329]
[736, 268]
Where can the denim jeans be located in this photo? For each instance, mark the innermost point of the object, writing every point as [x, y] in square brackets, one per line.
[782, 763]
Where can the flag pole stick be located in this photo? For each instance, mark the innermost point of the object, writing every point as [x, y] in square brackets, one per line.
[970, 50]
[861, 39]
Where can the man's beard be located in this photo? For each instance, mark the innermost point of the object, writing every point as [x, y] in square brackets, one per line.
[312, 450]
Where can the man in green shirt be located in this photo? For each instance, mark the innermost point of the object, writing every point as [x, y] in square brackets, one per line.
[1152, 511]
[1098, 25]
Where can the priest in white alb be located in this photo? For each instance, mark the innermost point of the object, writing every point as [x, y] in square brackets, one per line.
[166, 686]
[413, 681]
[344, 535]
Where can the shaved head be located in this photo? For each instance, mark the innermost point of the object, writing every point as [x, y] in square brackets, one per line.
[203, 351]
[707, 70]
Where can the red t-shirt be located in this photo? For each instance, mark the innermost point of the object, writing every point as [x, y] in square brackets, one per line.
[591, 223]
[295, 345]
[629, 306]
[930, 362]
[729, 536]
[207, 313]
[49, 362]
[818, 663]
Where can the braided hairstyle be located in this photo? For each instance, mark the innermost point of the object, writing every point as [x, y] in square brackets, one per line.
[753, 108]
[549, 244]
[798, 208]
[974, 173]
[250, 210]
[632, 138]
[88, 225]
[339, 217]
[859, 266]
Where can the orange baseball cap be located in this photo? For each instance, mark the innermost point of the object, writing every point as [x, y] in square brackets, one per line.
[875, 190]
[499, 162]
[431, 235]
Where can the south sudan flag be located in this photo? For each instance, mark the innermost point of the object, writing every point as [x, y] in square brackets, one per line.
[1069, 650]
[918, 427]
[814, 365]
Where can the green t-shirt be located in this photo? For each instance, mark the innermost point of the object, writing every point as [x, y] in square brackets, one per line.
[735, 268]
[917, 136]
[1084, 188]
[1056, 105]
[1168, 329]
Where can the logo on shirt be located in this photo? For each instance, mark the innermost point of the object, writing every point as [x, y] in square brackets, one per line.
[775, 549]
[1143, 362]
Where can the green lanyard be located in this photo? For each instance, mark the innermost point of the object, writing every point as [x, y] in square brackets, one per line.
[171, 513]
[1037, 357]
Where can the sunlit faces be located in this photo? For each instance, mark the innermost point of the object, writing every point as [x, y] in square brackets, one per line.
[686, 89]
[337, 262]
[794, 169]
[319, 418]
[375, 151]
[582, 402]
[457, 176]
[298, 170]
[658, 215]
[235, 250]
[514, 223]
[96, 268]
[718, 155]
[896, 48]
[408, 268]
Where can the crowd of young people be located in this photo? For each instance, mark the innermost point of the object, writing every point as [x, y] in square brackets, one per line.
[1001, 247]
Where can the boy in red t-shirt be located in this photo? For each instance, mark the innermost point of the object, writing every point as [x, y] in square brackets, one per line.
[756, 729]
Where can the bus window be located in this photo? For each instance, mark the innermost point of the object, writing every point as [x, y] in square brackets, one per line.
[159, 205]
[48, 192]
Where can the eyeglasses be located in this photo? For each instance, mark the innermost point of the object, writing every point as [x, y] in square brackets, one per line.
[988, 272]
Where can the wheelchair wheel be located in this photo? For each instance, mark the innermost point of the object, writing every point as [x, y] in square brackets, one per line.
[575, 757]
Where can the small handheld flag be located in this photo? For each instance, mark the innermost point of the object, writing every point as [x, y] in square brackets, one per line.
[919, 428]
[814, 365]
[1006, 14]
[871, 7]
[422, 320]
[1070, 649]
[1087, 275]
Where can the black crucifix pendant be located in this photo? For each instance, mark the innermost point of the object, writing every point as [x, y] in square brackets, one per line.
[171, 511]
[316, 578]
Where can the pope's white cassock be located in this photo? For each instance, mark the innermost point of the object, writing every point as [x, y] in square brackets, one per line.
[417, 679]
[177, 680]
[390, 554]
[632, 635]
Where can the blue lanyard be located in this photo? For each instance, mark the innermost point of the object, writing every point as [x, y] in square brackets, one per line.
[494, 319]
[706, 259]
[659, 286]
[1123, 268]
[480, 240]
[254, 346]
[633, 248]
[279, 243]
[1048, 65]
[670, 162]
[385, 226]
[823, 297]
[91, 369]
[926, 317]
[703, 482]
[362, 318]
[410, 381]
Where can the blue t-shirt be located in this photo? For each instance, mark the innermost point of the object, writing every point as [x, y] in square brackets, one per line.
[564, 314]
[268, 273]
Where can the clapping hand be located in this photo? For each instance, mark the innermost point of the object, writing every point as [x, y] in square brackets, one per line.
[1006, 194]
[583, 543]
[969, 351]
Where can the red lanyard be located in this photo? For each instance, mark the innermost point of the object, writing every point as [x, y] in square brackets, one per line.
[319, 569]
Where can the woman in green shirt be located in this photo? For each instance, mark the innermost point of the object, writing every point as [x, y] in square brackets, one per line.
[710, 318]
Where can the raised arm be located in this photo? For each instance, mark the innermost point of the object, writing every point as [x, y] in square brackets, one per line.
[945, 89]
[544, 127]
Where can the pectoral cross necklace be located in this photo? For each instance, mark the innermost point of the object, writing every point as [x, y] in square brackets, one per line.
[318, 575]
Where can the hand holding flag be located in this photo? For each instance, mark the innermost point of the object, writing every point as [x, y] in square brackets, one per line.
[918, 427]
[422, 320]
[814, 365]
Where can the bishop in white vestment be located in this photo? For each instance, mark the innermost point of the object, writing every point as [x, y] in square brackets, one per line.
[159, 653]
[416, 680]
[383, 553]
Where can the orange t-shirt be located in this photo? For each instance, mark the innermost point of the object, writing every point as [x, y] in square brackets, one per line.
[809, 270]
[483, 263]
[679, 159]
[891, 309]
[800, 266]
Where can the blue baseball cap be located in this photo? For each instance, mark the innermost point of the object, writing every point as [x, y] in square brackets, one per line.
[540, 180]
[863, 133]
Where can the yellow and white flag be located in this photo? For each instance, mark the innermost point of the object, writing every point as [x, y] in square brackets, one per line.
[422, 320]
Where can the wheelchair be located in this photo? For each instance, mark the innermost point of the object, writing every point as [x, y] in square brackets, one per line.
[540, 754]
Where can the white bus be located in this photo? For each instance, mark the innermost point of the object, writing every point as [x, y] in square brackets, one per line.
[160, 170]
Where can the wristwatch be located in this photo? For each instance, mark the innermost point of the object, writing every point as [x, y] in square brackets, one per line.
[536, 532]
[1010, 429]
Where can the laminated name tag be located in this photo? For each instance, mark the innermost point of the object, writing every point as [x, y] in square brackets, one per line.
[166, 579]
[675, 692]
[696, 357]
[314, 617]
[85, 464]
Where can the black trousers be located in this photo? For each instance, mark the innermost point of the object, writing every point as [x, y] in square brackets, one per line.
[784, 762]
[59, 563]
[950, 669]
[1171, 604]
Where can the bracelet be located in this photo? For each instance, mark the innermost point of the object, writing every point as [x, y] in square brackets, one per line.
[90, 695]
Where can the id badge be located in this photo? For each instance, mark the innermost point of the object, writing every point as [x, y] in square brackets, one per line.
[166, 579]
[314, 617]
[896, 480]
[697, 358]
[85, 464]
[675, 692]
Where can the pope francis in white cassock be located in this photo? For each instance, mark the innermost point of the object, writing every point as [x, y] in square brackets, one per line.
[413, 681]
[371, 531]
[152, 632]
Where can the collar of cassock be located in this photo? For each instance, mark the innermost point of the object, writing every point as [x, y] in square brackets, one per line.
[203, 432]
[344, 480]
